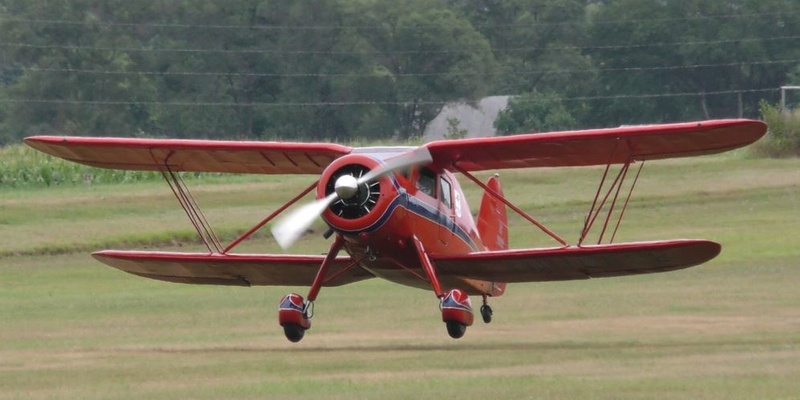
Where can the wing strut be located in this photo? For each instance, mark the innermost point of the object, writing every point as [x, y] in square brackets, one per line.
[268, 218]
[191, 208]
[427, 265]
[198, 219]
[596, 209]
[627, 200]
[510, 205]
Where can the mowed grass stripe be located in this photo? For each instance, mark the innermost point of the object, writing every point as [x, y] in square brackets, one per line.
[73, 328]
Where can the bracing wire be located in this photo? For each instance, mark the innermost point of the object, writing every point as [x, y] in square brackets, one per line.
[267, 27]
[406, 75]
[464, 50]
[357, 103]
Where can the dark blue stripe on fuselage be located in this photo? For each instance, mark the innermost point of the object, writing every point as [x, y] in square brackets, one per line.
[416, 206]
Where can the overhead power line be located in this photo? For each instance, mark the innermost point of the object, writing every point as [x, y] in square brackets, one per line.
[389, 52]
[365, 75]
[354, 103]
[381, 27]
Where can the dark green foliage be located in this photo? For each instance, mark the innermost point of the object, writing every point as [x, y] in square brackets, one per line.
[534, 112]
[454, 130]
[373, 69]
[241, 69]
[717, 58]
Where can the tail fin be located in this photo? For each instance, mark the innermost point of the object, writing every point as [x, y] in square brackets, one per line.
[493, 226]
[492, 218]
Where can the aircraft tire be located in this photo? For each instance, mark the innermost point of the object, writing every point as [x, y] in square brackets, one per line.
[486, 313]
[293, 332]
[455, 329]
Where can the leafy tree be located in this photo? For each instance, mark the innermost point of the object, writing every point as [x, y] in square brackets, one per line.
[433, 56]
[346, 69]
[721, 50]
[534, 112]
[532, 38]
[454, 130]
[538, 46]
[215, 64]
[318, 55]
[53, 91]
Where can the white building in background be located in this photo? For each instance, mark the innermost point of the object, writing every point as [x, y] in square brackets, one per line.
[477, 121]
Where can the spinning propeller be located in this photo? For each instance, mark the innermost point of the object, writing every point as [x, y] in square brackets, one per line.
[291, 227]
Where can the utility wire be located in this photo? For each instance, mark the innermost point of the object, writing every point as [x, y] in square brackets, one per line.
[382, 27]
[354, 103]
[388, 52]
[365, 75]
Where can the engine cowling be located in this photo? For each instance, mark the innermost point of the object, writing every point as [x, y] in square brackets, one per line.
[359, 207]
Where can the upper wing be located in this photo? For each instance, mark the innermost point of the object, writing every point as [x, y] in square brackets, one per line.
[556, 149]
[597, 146]
[192, 155]
[584, 262]
[228, 269]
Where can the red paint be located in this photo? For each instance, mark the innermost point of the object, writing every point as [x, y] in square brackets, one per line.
[415, 237]
[457, 307]
[290, 311]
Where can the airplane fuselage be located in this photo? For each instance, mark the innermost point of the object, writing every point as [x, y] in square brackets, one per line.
[422, 203]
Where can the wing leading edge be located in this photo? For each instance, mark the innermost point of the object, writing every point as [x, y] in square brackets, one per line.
[228, 269]
[597, 146]
[555, 149]
[192, 155]
[583, 262]
[527, 265]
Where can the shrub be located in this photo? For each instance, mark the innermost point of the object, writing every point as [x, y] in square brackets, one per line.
[783, 136]
[534, 112]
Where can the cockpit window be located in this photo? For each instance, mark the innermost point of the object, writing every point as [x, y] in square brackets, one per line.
[427, 182]
[446, 199]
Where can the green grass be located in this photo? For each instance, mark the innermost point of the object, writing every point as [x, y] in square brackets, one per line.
[73, 328]
[22, 166]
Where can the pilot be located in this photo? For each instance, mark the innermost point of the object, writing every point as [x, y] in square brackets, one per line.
[427, 182]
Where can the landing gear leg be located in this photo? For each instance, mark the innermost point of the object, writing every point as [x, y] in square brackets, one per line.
[486, 310]
[294, 314]
[455, 305]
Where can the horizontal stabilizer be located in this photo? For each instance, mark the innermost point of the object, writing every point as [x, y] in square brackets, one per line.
[578, 262]
[229, 269]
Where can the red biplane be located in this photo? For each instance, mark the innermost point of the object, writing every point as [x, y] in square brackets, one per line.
[399, 212]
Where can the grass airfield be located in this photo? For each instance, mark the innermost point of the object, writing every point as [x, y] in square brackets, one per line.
[73, 328]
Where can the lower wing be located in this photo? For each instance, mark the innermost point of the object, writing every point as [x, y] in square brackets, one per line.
[229, 269]
[583, 262]
[528, 265]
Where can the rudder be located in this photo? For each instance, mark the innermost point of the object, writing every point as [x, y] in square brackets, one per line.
[493, 225]
[492, 218]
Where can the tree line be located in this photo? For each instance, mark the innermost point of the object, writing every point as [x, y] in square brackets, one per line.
[374, 69]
